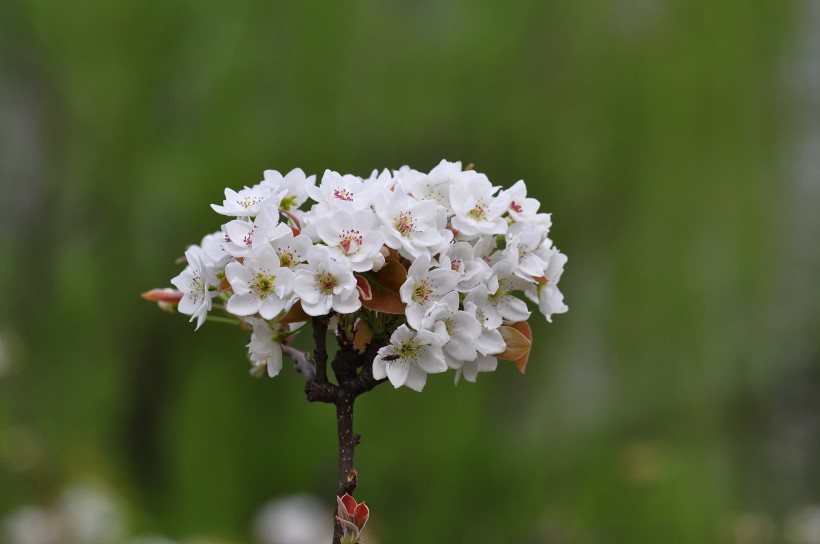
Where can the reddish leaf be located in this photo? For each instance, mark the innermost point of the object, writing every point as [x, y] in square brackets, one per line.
[524, 328]
[362, 336]
[363, 286]
[392, 275]
[518, 345]
[360, 515]
[295, 315]
[349, 503]
[385, 285]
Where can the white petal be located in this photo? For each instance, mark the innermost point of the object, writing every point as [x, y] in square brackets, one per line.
[416, 378]
[247, 304]
[397, 372]
[274, 363]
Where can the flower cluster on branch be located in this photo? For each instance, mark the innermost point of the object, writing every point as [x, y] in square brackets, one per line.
[420, 272]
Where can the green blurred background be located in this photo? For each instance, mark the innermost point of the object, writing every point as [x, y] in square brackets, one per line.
[675, 142]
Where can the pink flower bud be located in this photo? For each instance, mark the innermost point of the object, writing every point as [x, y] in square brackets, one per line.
[163, 295]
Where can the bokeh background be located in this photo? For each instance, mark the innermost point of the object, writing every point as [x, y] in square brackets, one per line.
[677, 143]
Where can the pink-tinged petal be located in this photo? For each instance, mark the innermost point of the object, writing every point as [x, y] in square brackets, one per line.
[163, 295]
[349, 503]
[360, 515]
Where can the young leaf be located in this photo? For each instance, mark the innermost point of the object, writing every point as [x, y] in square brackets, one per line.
[385, 285]
[365, 291]
[518, 345]
[362, 336]
[524, 328]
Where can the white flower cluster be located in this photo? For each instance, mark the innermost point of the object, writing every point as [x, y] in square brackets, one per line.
[460, 251]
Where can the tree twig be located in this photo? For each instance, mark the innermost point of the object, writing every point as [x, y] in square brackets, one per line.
[301, 361]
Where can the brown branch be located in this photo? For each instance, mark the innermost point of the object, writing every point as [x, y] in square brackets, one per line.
[320, 348]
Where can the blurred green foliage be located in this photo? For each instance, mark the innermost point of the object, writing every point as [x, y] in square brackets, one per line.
[655, 131]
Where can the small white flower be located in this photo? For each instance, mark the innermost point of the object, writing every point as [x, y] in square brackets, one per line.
[472, 270]
[423, 287]
[351, 235]
[326, 283]
[502, 286]
[460, 329]
[294, 186]
[477, 211]
[259, 284]
[195, 283]
[550, 300]
[249, 201]
[410, 226]
[242, 236]
[340, 191]
[528, 249]
[213, 246]
[520, 207]
[291, 250]
[409, 357]
[263, 351]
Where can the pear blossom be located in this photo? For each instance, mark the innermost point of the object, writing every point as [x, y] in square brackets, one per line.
[409, 357]
[241, 235]
[291, 250]
[352, 235]
[410, 226]
[293, 186]
[264, 353]
[528, 249]
[461, 257]
[520, 207]
[464, 258]
[249, 201]
[476, 210]
[424, 287]
[550, 300]
[195, 282]
[502, 287]
[326, 284]
[340, 191]
[259, 283]
[459, 329]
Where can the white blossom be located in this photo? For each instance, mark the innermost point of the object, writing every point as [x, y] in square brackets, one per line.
[409, 357]
[259, 284]
[195, 282]
[459, 329]
[293, 186]
[410, 226]
[340, 191]
[477, 211]
[326, 283]
[263, 352]
[423, 287]
[249, 201]
[550, 300]
[241, 236]
[351, 235]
